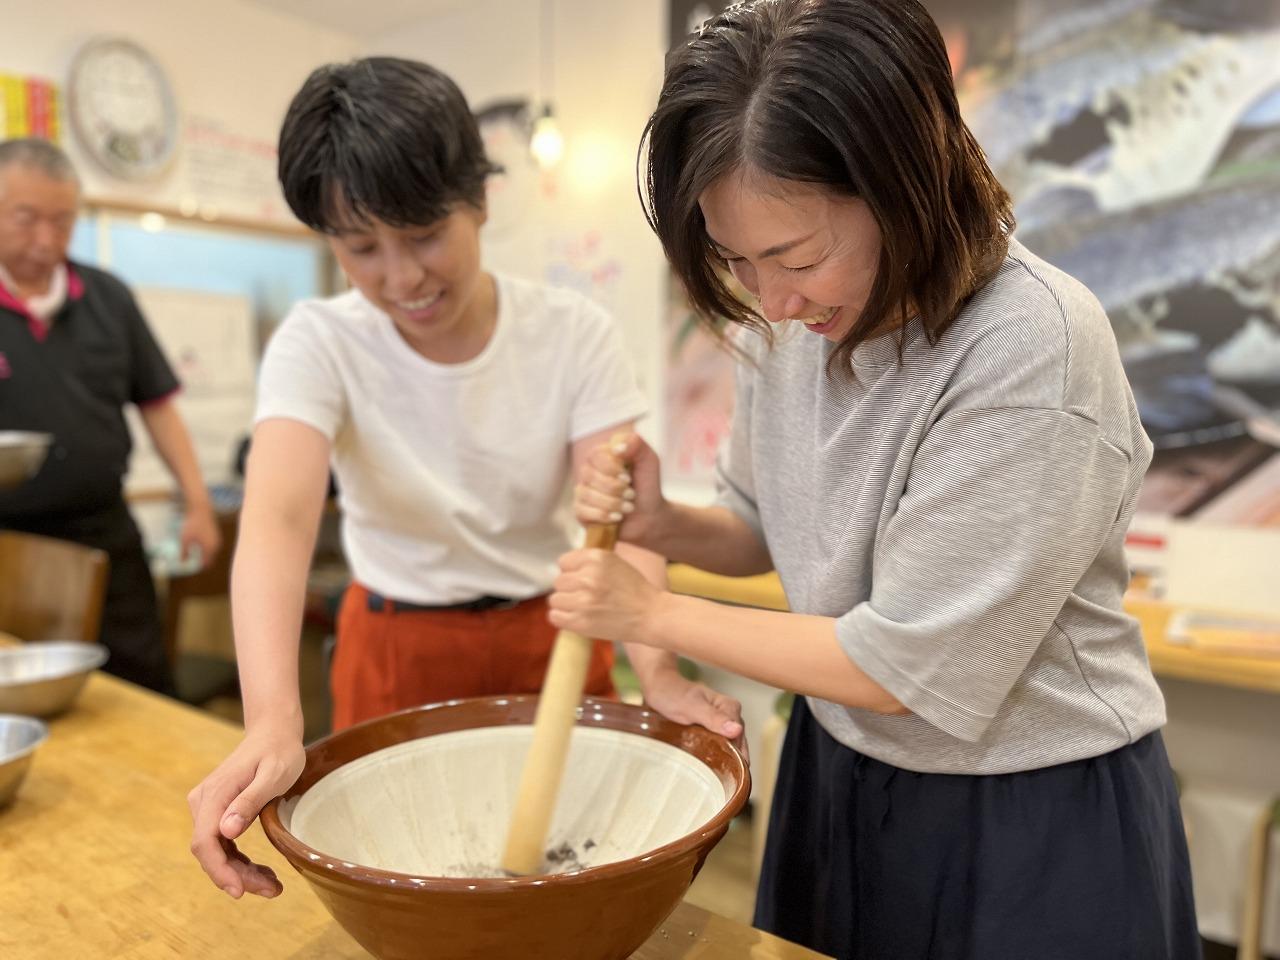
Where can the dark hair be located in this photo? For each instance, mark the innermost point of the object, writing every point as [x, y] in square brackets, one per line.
[381, 138]
[855, 96]
[44, 156]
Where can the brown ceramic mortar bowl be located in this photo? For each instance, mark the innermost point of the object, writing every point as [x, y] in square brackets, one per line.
[390, 818]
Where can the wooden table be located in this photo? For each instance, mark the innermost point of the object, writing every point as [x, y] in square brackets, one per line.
[94, 859]
[1189, 663]
[1167, 659]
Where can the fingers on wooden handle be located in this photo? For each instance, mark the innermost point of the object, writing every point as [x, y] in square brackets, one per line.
[601, 536]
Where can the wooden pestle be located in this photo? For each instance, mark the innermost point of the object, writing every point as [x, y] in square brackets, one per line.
[552, 725]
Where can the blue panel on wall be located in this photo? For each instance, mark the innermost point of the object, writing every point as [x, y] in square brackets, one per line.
[84, 241]
[272, 272]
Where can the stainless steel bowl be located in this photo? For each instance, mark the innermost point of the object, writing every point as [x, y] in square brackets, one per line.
[19, 737]
[22, 454]
[41, 679]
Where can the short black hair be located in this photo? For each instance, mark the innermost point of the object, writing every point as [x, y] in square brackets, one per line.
[383, 138]
[853, 96]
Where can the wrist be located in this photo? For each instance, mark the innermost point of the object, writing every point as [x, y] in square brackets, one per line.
[651, 664]
[655, 630]
[196, 501]
[658, 532]
[274, 722]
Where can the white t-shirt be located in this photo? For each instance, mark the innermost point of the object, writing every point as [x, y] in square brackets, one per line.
[453, 478]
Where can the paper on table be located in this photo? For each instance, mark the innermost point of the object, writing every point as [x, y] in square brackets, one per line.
[1222, 633]
[1213, 567]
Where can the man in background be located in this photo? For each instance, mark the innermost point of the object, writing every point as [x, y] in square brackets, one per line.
[74, 351]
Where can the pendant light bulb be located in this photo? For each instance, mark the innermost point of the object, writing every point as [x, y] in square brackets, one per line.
[547, 143]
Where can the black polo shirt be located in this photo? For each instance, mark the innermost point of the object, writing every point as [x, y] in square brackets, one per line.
[73, 378]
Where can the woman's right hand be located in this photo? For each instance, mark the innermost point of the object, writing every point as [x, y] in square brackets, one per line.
[263, 766]
[621, 482]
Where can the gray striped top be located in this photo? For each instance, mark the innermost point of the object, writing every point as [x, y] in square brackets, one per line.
[962, 516]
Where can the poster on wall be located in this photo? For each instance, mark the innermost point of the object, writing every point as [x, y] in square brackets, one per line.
[29, 107]
[226, 171]
[210, 342]
[1141, 142]
[505, 129]
[698, 387]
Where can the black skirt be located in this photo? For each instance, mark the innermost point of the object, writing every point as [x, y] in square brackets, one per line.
[1082, 861]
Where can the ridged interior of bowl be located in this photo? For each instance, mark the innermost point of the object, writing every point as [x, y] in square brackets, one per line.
[439, 806]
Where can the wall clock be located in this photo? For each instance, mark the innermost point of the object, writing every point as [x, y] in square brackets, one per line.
[122, 108]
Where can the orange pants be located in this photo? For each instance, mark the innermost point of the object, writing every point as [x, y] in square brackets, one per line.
[388, 661]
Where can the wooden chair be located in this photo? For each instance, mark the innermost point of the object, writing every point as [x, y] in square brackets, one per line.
[764, 775]
[200, 677]
[50, 589]
[213, 581]
[1255, 903]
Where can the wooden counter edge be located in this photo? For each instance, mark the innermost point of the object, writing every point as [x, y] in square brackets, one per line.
[1167, 659]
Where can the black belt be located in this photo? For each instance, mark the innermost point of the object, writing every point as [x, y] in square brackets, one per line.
[380, 604]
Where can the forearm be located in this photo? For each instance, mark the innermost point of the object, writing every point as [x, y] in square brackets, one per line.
[714, 539]
[648, 662]
[268, 589]
[286, 477]
[786, 650]
[172, 441]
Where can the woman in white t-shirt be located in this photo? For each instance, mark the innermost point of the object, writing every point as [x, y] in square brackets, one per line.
[454, 407]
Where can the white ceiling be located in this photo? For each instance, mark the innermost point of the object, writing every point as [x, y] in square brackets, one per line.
[366, 18]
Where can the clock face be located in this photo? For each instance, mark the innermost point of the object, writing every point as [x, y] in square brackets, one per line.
[122, 108]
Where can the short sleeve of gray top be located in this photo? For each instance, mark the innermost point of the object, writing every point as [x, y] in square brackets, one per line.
[962, 517]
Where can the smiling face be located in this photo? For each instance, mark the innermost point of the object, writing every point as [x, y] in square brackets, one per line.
[804, 252]
[427, 279]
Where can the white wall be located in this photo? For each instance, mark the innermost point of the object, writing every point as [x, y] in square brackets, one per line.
[229, 62]
[605, 81]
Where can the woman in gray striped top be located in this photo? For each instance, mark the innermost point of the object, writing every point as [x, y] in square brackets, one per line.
[935, 446]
